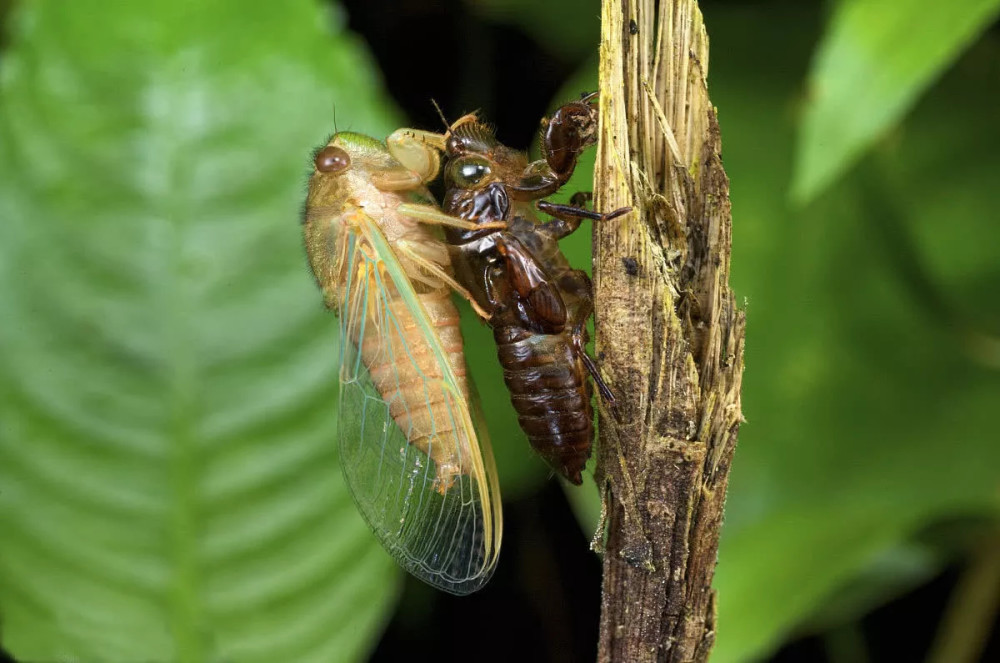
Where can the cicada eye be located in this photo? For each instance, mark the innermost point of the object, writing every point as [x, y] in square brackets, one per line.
[332, 159]
[469, 173]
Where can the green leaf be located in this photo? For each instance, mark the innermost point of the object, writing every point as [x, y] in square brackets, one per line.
[890, 573]
[875, 60]
[169, 488]
[869, 417]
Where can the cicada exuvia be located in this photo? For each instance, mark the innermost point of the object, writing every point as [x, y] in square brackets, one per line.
[420, 469]
[539, 304]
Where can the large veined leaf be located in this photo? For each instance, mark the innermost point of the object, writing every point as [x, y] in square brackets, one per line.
[169, 488]
[871, 66]
[868, 417]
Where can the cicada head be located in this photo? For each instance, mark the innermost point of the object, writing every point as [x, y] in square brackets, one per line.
[343, 169]
[344, 178]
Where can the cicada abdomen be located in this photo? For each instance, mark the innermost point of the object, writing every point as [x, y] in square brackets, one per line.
[549, 391]
[420, 472]
[402, 364]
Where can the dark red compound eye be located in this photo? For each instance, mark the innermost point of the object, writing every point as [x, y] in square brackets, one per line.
[332, 159]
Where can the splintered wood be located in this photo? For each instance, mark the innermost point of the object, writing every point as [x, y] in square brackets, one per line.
[669, 334]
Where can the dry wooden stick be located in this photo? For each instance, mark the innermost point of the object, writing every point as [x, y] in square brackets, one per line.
[669, 334]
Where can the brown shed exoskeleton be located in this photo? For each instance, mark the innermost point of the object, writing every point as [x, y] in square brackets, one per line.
[539, 304]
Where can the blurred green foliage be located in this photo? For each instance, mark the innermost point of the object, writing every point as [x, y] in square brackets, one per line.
[168, 481]
[872, 63]
[169, 487]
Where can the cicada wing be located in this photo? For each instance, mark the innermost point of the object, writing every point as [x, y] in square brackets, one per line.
[419, 473]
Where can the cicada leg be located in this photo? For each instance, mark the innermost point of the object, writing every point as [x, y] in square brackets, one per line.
[432, 215]
[595, 373]
[570, 130]
[418, 150]
[568, 217]
[577, 284]
[397, 179]
[332, 275]
[409, 252]
[406, 139]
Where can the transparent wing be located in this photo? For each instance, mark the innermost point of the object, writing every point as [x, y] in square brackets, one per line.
[421, 476]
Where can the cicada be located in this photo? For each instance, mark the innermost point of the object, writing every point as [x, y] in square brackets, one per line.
[417, 463]
[539, 304]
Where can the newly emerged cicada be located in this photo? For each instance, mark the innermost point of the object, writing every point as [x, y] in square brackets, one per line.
[420, 469]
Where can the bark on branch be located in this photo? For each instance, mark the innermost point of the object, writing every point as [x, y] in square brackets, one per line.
[669, 335]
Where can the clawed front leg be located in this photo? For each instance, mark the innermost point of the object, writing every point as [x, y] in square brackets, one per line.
[418, 151]
[571, 130]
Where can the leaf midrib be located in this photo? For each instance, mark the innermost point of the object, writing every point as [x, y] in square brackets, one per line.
[186, 615]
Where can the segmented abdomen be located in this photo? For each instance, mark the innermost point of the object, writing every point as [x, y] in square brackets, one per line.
[409, 377]
[550, 392]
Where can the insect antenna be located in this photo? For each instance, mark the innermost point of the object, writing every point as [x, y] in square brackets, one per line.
[441, 114]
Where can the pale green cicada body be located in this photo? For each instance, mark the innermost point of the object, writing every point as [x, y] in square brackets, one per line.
[420, 471]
